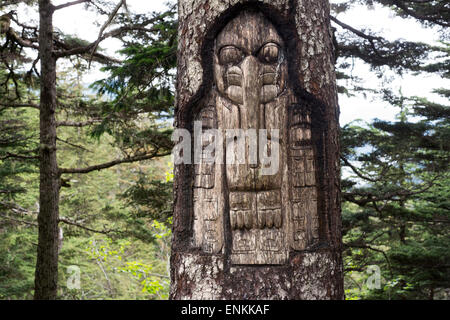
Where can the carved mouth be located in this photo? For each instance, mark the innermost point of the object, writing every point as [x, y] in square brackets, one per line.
[234, 76]
[234, 79]
[269, 78]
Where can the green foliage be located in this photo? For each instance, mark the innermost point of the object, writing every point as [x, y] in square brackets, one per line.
[116, 268]
[395, 179]
[142, 86]
[397, 212]
[17, 260]
[150, 199]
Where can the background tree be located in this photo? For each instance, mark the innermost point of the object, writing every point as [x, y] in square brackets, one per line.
[394, 214]
[400, 190]
[148, 142]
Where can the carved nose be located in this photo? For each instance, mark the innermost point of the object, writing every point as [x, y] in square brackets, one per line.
[251, 87]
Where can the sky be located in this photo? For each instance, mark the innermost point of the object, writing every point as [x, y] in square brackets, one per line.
[382, 20]
[77, 21]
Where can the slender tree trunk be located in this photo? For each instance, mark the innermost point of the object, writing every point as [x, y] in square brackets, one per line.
[236, 235]
[46, 276]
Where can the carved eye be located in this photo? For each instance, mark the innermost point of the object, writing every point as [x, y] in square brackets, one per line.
[269, 53]
[230, 55]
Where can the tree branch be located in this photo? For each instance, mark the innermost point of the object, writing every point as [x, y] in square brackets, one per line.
[367, 197]
[113, 33]
[28, 43]
[355, 31]
[19, 221]
[16, 208]
[112, 163]
[73, 144]
[105, 25]
[18, 105]
[5, 3]
[68, 4]
[75, 224]
[364, 246]
[356, 171]
[70, 51]
[401, 5]
[18, 156]
[77, 124]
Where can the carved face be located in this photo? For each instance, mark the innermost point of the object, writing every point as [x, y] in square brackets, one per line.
[250, 72]
[250, 67]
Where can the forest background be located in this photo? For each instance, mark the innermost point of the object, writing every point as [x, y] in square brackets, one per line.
[114, 112]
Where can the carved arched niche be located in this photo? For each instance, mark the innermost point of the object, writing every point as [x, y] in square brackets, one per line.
[256, 219]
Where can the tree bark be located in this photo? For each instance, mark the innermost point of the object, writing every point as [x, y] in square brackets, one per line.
[46, 275]
[311, 266]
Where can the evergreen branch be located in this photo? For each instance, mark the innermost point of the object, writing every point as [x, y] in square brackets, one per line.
[112, 163]
[77, 124]
[24, 26]
[368, 197]
[33, 67]
[68, 4]
[19, 220]
[75, 224]
[17, 156]
[23, 42]
[361, 34]
[355, 31]
[113, 33]
[103, 28]
[356, 171]
[70, 51]
[15, 207]
[364, 246]
[73, 145]
[5, 3]
[412, 13]
[18, 105]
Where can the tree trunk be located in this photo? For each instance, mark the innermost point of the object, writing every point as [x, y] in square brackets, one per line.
[46, 275]
[239, 233]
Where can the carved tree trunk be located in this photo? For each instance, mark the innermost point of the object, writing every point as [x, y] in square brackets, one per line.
[268, 228]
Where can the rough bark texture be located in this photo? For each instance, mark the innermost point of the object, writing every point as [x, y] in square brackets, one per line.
[46, 276]
[213, 214]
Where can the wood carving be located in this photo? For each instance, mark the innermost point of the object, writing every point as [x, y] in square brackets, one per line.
[257, 216]
[267, 215]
